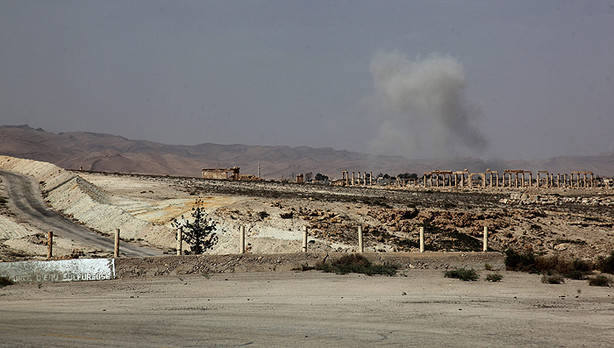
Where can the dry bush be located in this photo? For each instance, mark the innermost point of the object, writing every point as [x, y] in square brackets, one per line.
[599, 280]
[494, 277]
[353, 263]
[552, 279]
[4, 281]
[463, 274]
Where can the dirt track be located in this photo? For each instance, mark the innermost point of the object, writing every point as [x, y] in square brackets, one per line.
[308, 309]
[26, 201]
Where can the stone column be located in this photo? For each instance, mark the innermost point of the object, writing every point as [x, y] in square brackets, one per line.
[522, 179]
[530, 179]
[371, 178]
[551, 180]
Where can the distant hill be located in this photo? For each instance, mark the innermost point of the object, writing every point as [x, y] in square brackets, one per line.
[104, 152]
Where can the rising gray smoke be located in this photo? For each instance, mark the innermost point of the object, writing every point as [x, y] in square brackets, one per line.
[426, 112]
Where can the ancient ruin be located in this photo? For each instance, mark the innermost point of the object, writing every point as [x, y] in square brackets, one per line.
[510, 178]
[221, 173]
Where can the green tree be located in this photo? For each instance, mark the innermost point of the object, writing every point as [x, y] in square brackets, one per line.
[199, 232]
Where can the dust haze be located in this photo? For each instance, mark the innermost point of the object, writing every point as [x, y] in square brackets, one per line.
[422, 109]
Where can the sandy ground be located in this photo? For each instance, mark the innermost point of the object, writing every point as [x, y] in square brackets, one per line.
[308, 309]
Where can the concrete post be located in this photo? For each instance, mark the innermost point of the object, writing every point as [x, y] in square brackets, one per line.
[485, 241]
[242, 240]
[49, 245]
[116, 246]
[421, 239]
[361, 247]
[179, 242]
[305, 239]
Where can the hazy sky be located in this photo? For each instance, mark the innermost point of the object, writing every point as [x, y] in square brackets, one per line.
[534, 78]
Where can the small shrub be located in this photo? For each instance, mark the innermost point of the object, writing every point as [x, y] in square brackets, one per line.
[515, 261]
[575, 274]
[607, 264]
[463, 274]
[488, 266]
[599, 280]
[199, 232]
[494, 277]
[288, 215]
[353, 263]
[4, 281]
[552, 279]
[529, 262]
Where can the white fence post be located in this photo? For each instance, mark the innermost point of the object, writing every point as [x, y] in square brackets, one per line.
[179, 242]
[116, 246]
[242, 241]
[421, 239]
[49, 245]
[304, 239]
[361, 247]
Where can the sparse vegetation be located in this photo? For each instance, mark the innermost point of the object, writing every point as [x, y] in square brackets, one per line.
[494, 277]
[606, 265]
[199, 232]
[600, 280]
[552, 279]
[353, 263]
[463, 274]
[488, 266]
[529, 262]
[4, 281]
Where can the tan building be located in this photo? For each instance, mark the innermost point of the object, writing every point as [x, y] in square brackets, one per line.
[222, 173]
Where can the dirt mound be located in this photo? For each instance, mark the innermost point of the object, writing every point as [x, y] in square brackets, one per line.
[78, 199]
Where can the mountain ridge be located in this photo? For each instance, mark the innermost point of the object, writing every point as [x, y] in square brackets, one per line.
[107, 152]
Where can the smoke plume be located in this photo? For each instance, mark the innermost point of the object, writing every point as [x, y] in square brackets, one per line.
[423, 107]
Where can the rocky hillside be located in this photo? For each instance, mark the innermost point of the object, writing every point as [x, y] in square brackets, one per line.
[103, 152]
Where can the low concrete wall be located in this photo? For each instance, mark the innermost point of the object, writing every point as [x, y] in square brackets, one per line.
[59, 271]
[203, 264]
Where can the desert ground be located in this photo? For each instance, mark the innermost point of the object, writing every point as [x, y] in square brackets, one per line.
[570, 222]
[259, 298]
[417, 308]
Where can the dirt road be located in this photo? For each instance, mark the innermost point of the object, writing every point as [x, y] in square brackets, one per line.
[308, 309]
[26, 202]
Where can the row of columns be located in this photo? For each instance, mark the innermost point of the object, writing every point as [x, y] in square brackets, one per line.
[510, 178]
[363, 178]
